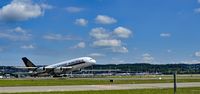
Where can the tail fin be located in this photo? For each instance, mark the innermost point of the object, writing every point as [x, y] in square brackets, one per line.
[27, 62]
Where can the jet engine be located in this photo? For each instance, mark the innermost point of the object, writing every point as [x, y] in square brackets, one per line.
[58, 70]
[41, 69]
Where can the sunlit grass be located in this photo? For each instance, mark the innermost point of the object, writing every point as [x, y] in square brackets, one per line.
[195, 90]
[56, 82]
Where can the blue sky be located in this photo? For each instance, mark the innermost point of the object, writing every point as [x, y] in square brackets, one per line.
[111, 31]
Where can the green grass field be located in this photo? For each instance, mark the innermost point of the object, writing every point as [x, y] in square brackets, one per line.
[97, 81]
[188, 76]
[71, 81]
[195, 90]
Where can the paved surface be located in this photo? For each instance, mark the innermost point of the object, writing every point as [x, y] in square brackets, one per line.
[93, 87]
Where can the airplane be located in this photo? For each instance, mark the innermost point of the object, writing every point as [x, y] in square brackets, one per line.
[58, 68]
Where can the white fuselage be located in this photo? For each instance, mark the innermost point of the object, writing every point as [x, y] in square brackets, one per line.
[66, 66]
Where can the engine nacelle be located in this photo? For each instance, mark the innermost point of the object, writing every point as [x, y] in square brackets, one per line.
[58, 70]
[41, 69]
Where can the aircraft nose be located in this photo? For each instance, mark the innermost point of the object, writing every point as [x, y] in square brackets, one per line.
[93, 61]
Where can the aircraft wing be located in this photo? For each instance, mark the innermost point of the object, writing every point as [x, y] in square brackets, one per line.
[65, 68]
[26, 67]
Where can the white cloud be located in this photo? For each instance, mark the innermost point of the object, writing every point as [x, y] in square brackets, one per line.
[74, 9]
[96, 55]
[169, 50]
[146, 55]
[99, 33]
[165, 35]
[59, 37]
[16, 34]
[14, 37]
[197, 54]
[107, 43]
[19, 29]
[120, 49]
[80, 45]
[197, 10]
[27, 47]
[198, 1]
[19, 10]
[81, 22]
[1, 49]
[147, 58]
[190, 62]
[102, 38]
[122, 32]
[46, 6]
[103, 19]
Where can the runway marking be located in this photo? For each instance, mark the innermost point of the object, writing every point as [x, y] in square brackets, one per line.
[93, 87]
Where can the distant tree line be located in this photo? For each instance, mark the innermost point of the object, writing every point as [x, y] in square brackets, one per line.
[152, 68]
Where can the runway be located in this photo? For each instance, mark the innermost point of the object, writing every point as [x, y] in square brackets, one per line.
[93, 87]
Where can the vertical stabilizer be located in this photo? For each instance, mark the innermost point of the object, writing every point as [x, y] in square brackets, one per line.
[27, 62]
